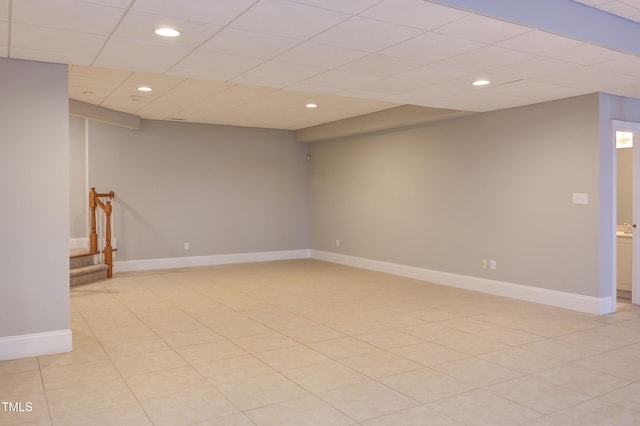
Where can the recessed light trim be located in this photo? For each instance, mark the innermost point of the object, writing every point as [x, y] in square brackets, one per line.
[311, 105]
[167, 32]
[144, 89]
[481, 82]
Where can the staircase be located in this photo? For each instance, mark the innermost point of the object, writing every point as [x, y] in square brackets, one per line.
[82, 269]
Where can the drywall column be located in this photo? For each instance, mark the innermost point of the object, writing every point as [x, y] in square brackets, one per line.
[34, 212]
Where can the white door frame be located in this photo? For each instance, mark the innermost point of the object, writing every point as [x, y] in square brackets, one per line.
[618, 125]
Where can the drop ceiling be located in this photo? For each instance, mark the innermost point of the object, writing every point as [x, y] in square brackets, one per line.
[258, 62]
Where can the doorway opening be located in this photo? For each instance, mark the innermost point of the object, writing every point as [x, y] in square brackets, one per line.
[627, 213]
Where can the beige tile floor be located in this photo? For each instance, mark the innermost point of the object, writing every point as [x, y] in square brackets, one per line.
[312, 343]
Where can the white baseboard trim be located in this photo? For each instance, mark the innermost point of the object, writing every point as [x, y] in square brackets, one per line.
[219, 259]
[575, 302]
[79, 243]
[36, 344]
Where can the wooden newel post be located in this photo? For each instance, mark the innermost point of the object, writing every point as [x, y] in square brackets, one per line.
[108, 250]
[93, 237]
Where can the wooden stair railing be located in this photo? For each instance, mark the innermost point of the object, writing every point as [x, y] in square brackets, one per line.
[94, 202]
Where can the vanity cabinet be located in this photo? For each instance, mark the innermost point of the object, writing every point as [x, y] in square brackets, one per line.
[624, 261]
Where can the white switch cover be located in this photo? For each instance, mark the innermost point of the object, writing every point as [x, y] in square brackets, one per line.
[580, 198]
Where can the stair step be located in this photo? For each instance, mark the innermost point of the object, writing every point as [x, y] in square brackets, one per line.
[88, 274]
[79, 261]
[76, 252]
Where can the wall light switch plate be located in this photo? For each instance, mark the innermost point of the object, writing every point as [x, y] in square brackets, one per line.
[580, 198]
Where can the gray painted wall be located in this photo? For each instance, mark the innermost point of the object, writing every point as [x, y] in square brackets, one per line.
[443, 196]
[34, 183]
[78, 199]
[223, 189]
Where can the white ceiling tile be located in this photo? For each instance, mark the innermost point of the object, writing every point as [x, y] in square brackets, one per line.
[593, 2]
[127, 98]
[339, 79]
[4, 10]
[320, 55]
[432, 47]
[586, 54]
[414, 13]
[630, 91]
[534, 90]
[201, 73]
[482, 29]
[485, 58]
[352, 6]
[94, 85]
[433, 74]
[49, 56]
[280, 102]
[219, 12]
[134, 55]
[364, 94]
[485, 100]
[530, 68]
[56, 40]
[282, 18]
[245, 43]
[430, 93]
[355, 104]
[304, 87]
[239, 94]
[68, 15]
[277, 74]
[621, 9]
[287, 104]
[129, 106]
[629, 65]
[232, 97]
[539, 43]
[366, 34]
[380, 65]
[371, 56]
[88, 95]
[98, 77]
[214, 66]
[139, 26]
[587, 78]
[384, 87]
[122, 4]
[159, 83]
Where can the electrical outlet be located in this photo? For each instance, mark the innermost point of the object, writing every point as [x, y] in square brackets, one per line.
[483, 263]
[492, 265]
[187, 246]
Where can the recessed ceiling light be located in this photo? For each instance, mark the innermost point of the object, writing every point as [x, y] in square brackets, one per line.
[481, 82]
[167, 32]
[311, 105]
[144, 89]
